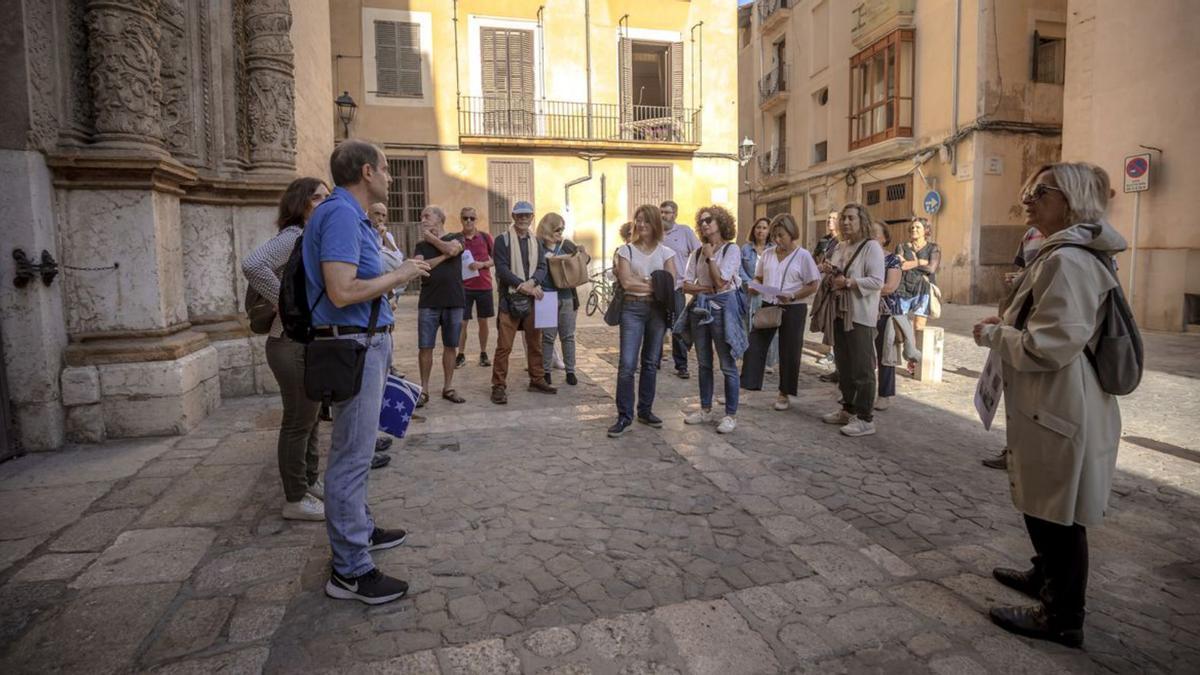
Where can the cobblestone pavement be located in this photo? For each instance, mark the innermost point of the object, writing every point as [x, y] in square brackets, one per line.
[538, 545]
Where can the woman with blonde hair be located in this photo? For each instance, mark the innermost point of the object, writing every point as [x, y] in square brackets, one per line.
[857, 273]
[1063, 427]
[550, 232]
[643, 320]
[788, 267]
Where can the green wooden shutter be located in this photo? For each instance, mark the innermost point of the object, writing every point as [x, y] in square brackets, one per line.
[408, 48]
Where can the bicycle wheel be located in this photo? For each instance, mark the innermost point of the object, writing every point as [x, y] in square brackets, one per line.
[593, 301]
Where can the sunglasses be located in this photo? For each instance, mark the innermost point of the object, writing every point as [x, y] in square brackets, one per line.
[1038, 192]
[558, 230]
[468, 217]
[706, 220]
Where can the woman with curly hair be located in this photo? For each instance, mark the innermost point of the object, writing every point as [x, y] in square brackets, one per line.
[714, 318]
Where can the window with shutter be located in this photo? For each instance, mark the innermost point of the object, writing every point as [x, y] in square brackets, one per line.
[508, 82]
[406, 198]
[649, 184]
[509, 181]
[398, 59]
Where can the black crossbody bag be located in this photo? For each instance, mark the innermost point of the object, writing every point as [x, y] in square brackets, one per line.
[333, 368]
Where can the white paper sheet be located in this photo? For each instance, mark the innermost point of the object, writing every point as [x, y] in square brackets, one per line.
[768, 293]
[989, 390]
[545, 311]
[467, 260]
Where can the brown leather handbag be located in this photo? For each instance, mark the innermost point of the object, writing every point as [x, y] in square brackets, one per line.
[569, 270]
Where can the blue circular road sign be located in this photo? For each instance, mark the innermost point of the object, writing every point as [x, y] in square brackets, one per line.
[933, 202]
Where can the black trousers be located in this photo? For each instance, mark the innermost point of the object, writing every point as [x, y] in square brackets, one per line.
[791, 346]
[854, 356]
[1062, 564]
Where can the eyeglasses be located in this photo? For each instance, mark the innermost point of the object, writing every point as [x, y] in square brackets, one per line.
[468, 218]
[706, 220]
[558, 230]
[1038, 192]
[523, 216]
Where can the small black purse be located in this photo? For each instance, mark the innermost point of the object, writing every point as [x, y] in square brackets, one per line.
[519, 305]
[333, 367]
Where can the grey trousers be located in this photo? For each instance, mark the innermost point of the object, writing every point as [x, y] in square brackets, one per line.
[565, 332]
[297, 448]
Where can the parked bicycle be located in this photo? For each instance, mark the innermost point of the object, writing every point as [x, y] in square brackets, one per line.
[601, 293]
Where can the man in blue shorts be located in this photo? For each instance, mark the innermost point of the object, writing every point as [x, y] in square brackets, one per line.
[345, 274]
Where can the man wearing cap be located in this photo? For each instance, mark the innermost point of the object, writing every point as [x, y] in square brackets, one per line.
[520, 271]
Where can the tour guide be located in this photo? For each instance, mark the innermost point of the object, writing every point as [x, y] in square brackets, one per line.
[343, 268]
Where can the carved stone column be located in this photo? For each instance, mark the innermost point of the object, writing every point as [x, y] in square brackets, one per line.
[123, 73]
[271, 86]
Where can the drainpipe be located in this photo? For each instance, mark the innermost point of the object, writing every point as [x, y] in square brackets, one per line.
[587, 48]
[954, 103]
[581, 179]
[603, 225]
[457, 86]
[542, 47]
[700, 66]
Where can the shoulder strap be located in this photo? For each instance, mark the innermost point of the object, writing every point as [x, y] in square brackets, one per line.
[855, 256]
[374, 316]
[487, 239]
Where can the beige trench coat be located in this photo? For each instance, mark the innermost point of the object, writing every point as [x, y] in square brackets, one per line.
[1063, 429]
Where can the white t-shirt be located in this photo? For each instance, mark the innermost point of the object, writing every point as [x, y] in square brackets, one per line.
[642, 264]
[797, 269]
[728, 258]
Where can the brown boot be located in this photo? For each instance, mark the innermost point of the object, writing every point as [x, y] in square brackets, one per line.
[499, 395]
[541, 387]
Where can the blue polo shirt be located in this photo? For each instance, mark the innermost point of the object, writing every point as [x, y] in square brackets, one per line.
[340, 231]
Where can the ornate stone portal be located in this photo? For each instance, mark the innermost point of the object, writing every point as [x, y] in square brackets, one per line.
[168, 130]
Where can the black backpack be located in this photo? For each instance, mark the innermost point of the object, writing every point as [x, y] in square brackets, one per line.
[1119, 356]
[295, 312]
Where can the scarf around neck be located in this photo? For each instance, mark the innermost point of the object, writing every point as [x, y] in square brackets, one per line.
[514, 256]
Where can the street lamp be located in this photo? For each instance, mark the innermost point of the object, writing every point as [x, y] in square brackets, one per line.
[346, 108]
[745, 151]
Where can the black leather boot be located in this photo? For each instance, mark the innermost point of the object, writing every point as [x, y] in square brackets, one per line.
[1028, 581]
[1036, 622]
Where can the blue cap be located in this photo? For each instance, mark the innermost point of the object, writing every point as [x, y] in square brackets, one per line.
[523, 207]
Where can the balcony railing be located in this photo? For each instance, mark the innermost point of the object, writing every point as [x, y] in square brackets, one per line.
[773, 162]
[774, 82]
[503, 117]
[767, 8]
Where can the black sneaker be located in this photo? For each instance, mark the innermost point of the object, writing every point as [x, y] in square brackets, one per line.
[382, 539]
[651, 420]
[483, 360]
[373, 588]
[460, 360]
[572, 380]
[382, 443]
[998, 462]
[619, 428]
[380, 460]
[682, 373]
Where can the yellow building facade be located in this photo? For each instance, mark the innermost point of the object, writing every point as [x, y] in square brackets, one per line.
[484, 102]
[884, 102]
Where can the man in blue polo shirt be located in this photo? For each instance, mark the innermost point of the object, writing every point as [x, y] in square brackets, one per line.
[344, 271]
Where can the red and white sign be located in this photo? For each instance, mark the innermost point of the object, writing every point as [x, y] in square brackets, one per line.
[1137, 173]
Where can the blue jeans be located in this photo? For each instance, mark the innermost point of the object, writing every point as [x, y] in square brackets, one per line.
[355, 427]
[642, 331]
[679, 350]
[706, 336]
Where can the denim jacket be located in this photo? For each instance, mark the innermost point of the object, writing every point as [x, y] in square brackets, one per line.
[733, 316]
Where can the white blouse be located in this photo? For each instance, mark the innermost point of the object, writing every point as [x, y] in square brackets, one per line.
[728, 258]
[797, 269]
[643, 264]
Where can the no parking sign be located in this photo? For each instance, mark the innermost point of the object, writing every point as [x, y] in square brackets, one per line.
[1137, 173]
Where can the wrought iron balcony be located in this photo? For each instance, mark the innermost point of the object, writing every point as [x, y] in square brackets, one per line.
[503, 119]
[773, 83]
[773, 163]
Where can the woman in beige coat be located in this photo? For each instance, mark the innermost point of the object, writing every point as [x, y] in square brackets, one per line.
[1063, 429]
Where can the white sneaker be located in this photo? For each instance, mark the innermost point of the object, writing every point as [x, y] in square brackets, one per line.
[308, 508]
[727, 425]
[883, 402]
[317, 489]
[782, 404]
[839, 417]
[770, 370]
[859, 427]
[558, 362]
[699, 417]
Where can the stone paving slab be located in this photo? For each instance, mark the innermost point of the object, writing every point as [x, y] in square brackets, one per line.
[537, 545]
